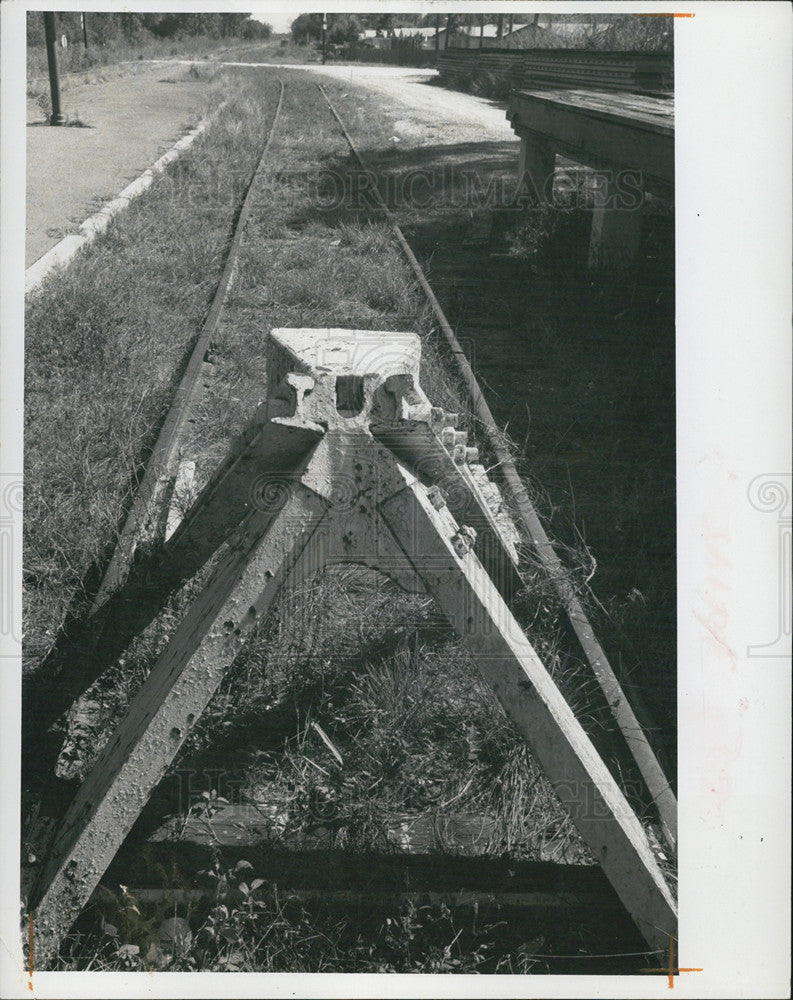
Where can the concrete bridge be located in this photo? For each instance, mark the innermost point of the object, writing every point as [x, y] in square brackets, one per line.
[627, 138]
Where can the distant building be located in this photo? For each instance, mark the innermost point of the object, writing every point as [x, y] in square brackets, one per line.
[475, 36]
[542, 31]
[373, 39]
[422, 38]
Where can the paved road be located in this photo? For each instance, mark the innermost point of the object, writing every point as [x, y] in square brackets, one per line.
[72, 171]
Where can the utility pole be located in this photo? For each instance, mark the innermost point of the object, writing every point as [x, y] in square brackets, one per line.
[324, 33]
[449, 21]
[56, 118]
[437, 31]
[481, 30]
[85, 31]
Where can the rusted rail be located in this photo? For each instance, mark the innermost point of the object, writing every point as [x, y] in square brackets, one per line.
[161, 467]
[656, 781]
[629, 840]
[47, 697]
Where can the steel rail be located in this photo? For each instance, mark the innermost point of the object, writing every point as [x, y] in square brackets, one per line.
[639, 746]
[161, 467]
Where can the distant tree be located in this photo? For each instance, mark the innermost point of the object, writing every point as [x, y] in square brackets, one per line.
[619, 32]
[638, 34]
[343, 29]
[257, 30]
[133, 26]
[384, 23]
[68, 23]
[307, 28]
[102, 28]
[231, 25]
[162, 25]
[35, 27]
[408, 20]
[387, 23]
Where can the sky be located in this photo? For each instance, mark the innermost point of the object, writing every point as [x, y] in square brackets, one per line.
[280, 16]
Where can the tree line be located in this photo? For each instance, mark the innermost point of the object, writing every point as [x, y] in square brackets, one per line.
[135, 28]
[595, 31]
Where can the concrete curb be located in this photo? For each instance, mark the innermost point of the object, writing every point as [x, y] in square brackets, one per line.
[63, 252]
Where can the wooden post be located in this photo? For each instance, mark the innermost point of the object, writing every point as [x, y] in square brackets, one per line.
[455, 578]
[165, 710]
[481, 30]
[57, 117]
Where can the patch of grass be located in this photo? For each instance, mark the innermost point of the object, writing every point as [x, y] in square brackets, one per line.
[280, 50]
[75, 121]
[98, 58]
[101, 364]
[246, 923]
[193, 74]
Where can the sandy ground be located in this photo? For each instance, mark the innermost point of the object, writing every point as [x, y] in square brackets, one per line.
[411, 87]
[72, 171]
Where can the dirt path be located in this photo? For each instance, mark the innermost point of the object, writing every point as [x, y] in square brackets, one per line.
[72, 171]
[483, 119]
[480, 118]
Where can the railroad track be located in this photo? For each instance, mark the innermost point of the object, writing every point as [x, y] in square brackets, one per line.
[534, 531]
[154, 491]
[146, 515]
[53, 690]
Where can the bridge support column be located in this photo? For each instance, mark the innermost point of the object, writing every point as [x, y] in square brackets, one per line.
[536, 167]
[616, 225]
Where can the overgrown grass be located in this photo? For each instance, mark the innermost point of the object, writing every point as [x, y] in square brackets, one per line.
[418, 737]
[246, 923]
[77, 59]
[281, 50]
[102, 365]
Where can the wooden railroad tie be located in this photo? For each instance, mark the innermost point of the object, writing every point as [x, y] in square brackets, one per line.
[346, 462]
